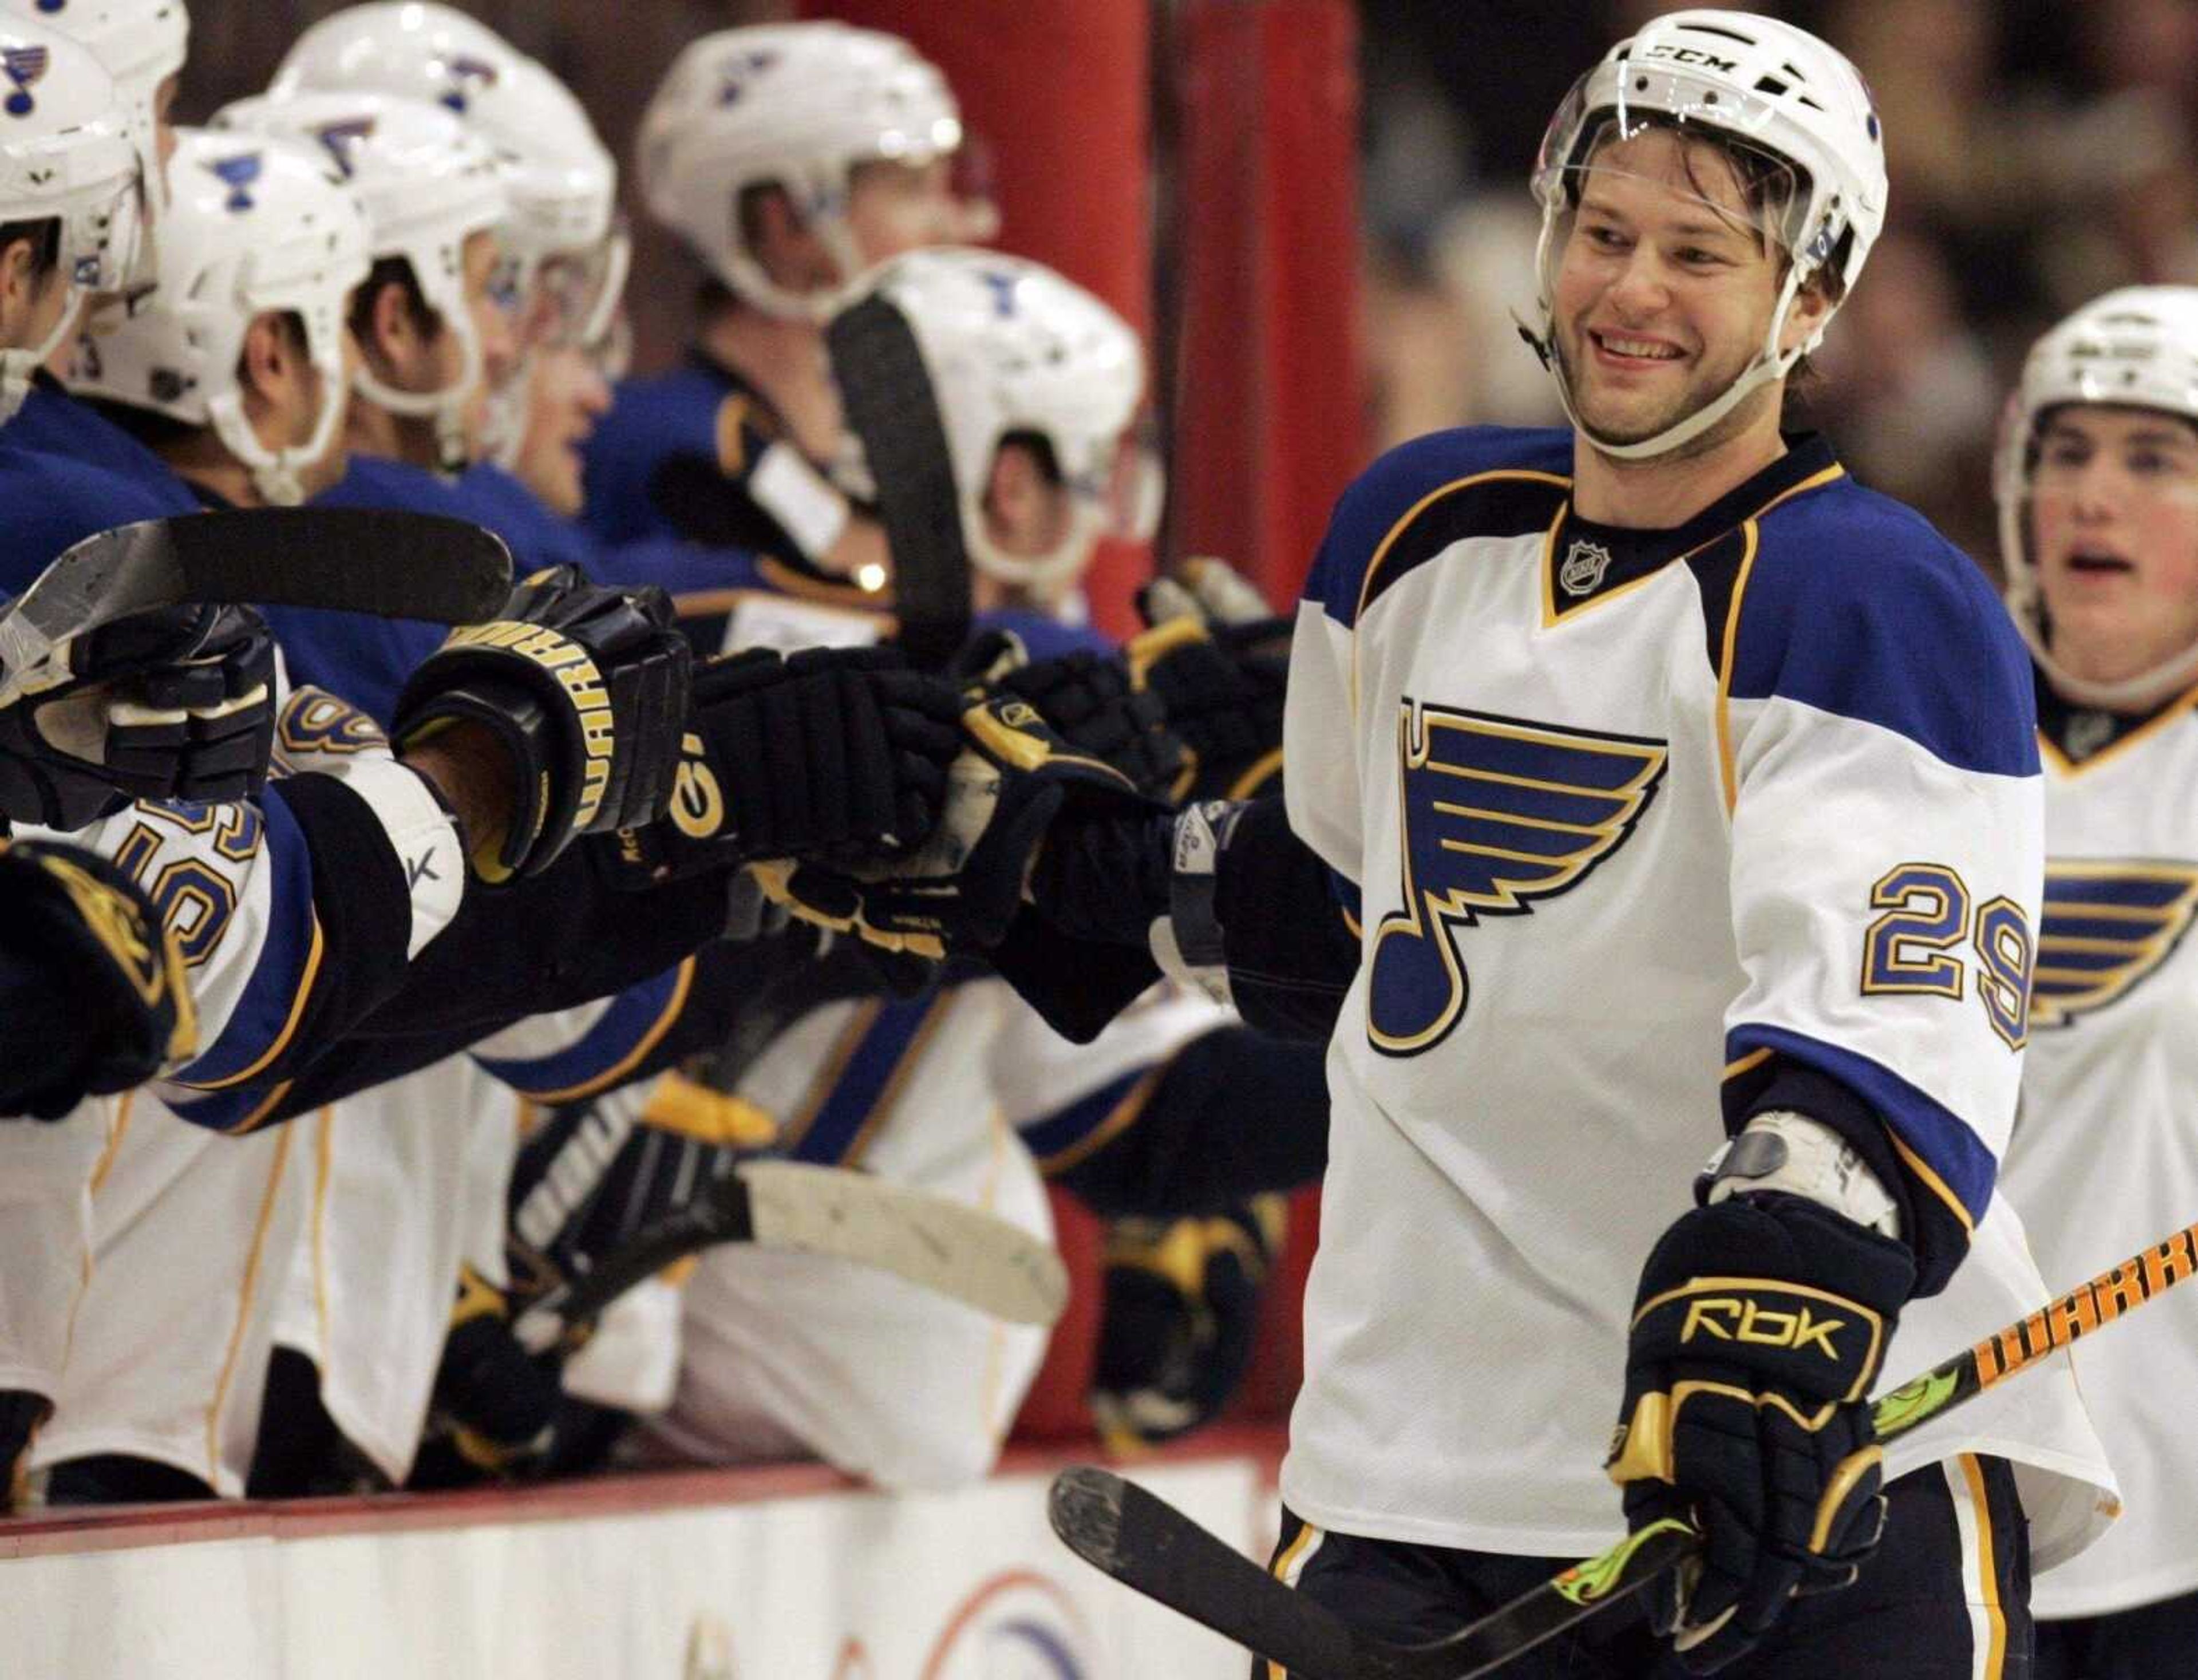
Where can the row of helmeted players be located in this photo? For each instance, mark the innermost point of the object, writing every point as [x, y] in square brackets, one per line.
[385, 994]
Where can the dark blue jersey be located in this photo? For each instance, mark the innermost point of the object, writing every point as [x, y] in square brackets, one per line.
[53, 422]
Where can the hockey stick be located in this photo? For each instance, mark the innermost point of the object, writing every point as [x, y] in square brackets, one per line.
[891, 406]
[940, 1244]
[1146, 1543]
[391, 565]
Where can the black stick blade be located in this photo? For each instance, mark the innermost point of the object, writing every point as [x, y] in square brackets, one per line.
[1146, 1543]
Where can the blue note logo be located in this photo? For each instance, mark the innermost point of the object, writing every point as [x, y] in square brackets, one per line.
[737, 75]
[340, 140]
[237, 174]
[2108, 923]
[467, 77]
[1498, 812]
[25, 68]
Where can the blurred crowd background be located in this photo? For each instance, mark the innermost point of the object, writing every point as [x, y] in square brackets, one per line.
[2041, 152]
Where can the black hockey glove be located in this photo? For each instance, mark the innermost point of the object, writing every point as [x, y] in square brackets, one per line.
[959, 893]
[1182, 1309]
[1086, 698]
[1759, 1328]
[1219, 661]
[835, 754]
[91, 984]
[494, 1404]
[584, 689]
[172, 704]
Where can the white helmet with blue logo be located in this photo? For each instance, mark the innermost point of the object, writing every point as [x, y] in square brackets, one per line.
[1014, 349]
[255, 225]
[562, 180]
[65, 155]
[429, 184]
[797, 106]
[140, 44]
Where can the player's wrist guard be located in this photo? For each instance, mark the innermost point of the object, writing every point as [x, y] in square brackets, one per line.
[97, 998]
[1181, 1313]
[172, 704]
[585, 690]
[1759, 1328]
[1217, 660]
[836, 755]
[966, 885]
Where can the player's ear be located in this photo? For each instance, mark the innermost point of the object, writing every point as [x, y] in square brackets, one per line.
[1812, 307]
[20, 285]
[393, 336]
[266, 363]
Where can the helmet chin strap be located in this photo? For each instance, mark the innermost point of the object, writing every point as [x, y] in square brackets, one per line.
[278, 475]
[1770, 363]
[18, 366]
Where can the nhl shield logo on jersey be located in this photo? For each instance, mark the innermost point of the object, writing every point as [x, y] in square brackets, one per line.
[24, 67]
[1584, 567]
[1498, 812]
[2107, 924]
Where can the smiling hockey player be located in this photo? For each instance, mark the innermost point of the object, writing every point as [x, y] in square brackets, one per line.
[1660, 776]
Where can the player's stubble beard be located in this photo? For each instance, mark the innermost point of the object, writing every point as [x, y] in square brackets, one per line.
[1702, 388]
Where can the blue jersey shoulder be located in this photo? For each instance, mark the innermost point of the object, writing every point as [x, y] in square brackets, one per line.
[1382, 498]
[53, 502]
[54, 422]
[536, 535]
[1855, 605]
[651, 420]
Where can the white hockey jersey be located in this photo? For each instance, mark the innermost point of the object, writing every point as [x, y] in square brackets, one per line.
[2104, 1159]
[1638, 819]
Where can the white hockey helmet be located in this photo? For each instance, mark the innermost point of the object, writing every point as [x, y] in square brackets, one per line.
[1013, 349]
[140, 44]
[562, 181]
[255, 224]
[67, 155]
[2136, 347]
[799, 105]
[1747, 80]
[429, 184]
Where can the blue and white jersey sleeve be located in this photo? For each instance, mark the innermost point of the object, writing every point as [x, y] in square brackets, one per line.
[1876, 730]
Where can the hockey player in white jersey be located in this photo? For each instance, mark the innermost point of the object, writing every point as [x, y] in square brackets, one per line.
[1648, 781]
[2097, 480]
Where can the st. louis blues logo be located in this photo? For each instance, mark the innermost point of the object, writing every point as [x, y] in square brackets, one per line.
[338, 140]
[1002, 284]
[737, 75]
[2108, 922]
[1497, 812]
[237, 174]
[25, 67]
[466, 76]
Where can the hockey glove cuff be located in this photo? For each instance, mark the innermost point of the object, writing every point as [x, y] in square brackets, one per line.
[585, 689]
[1217, 660]
[1759, 1328]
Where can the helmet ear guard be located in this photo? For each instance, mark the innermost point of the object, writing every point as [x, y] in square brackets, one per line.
[1761, 91]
